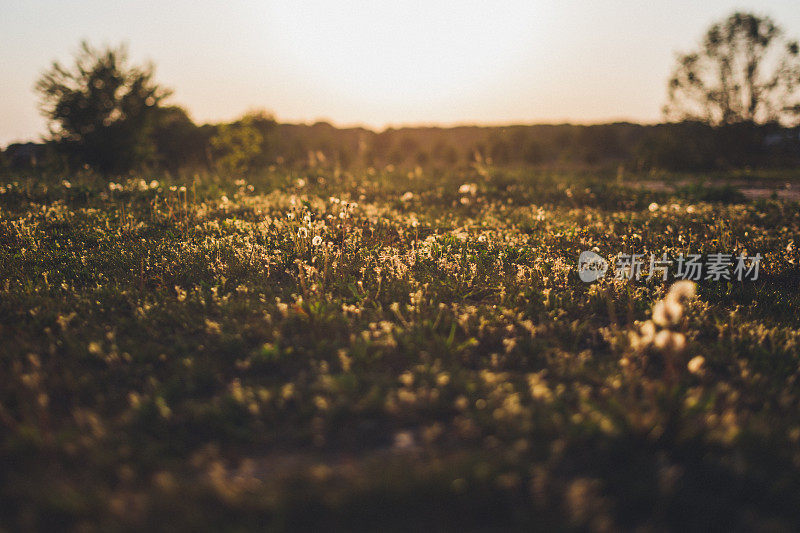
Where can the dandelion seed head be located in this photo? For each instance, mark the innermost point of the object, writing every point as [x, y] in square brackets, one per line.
[696, 364]
[662, 339]
[667, 312]
[404, 440]
[669, 341]
[682, 290]
[648, 331]
[678, 341]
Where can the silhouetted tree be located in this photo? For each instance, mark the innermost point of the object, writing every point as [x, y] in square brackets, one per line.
[102, 109]
[744, 71]
[179, 142]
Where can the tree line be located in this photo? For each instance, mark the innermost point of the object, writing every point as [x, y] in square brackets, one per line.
[257, 141]
[734, 102]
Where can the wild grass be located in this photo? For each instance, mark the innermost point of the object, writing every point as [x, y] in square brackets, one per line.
[390, 350]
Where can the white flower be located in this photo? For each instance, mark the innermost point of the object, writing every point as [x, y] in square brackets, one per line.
[667, 312]
[468, 188]
[696, 364]
[678, 341]
[662, 339]
[648, 332]
[317, 240]
[682, 290]
[302, 233]
[404, 440]
[653, 207]
[407, 197]
[668, 340]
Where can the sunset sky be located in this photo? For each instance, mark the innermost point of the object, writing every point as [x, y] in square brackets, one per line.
[375, 62]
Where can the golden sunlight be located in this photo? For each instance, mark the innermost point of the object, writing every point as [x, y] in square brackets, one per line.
[385, 55]
[353, 265]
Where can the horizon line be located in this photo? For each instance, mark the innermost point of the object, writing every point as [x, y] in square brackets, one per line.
[389, 126]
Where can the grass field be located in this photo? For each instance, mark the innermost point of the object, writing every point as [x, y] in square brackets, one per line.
[392, 351]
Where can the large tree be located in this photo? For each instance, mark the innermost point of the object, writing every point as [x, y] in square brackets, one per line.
[102, 109]
[744, 71]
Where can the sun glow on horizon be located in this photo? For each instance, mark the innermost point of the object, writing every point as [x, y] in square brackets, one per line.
[376, 63]
[403, 59]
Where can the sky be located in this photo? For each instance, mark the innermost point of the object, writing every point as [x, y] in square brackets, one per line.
[376, 63]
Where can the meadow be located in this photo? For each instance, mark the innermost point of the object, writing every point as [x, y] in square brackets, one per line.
[388, 349]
